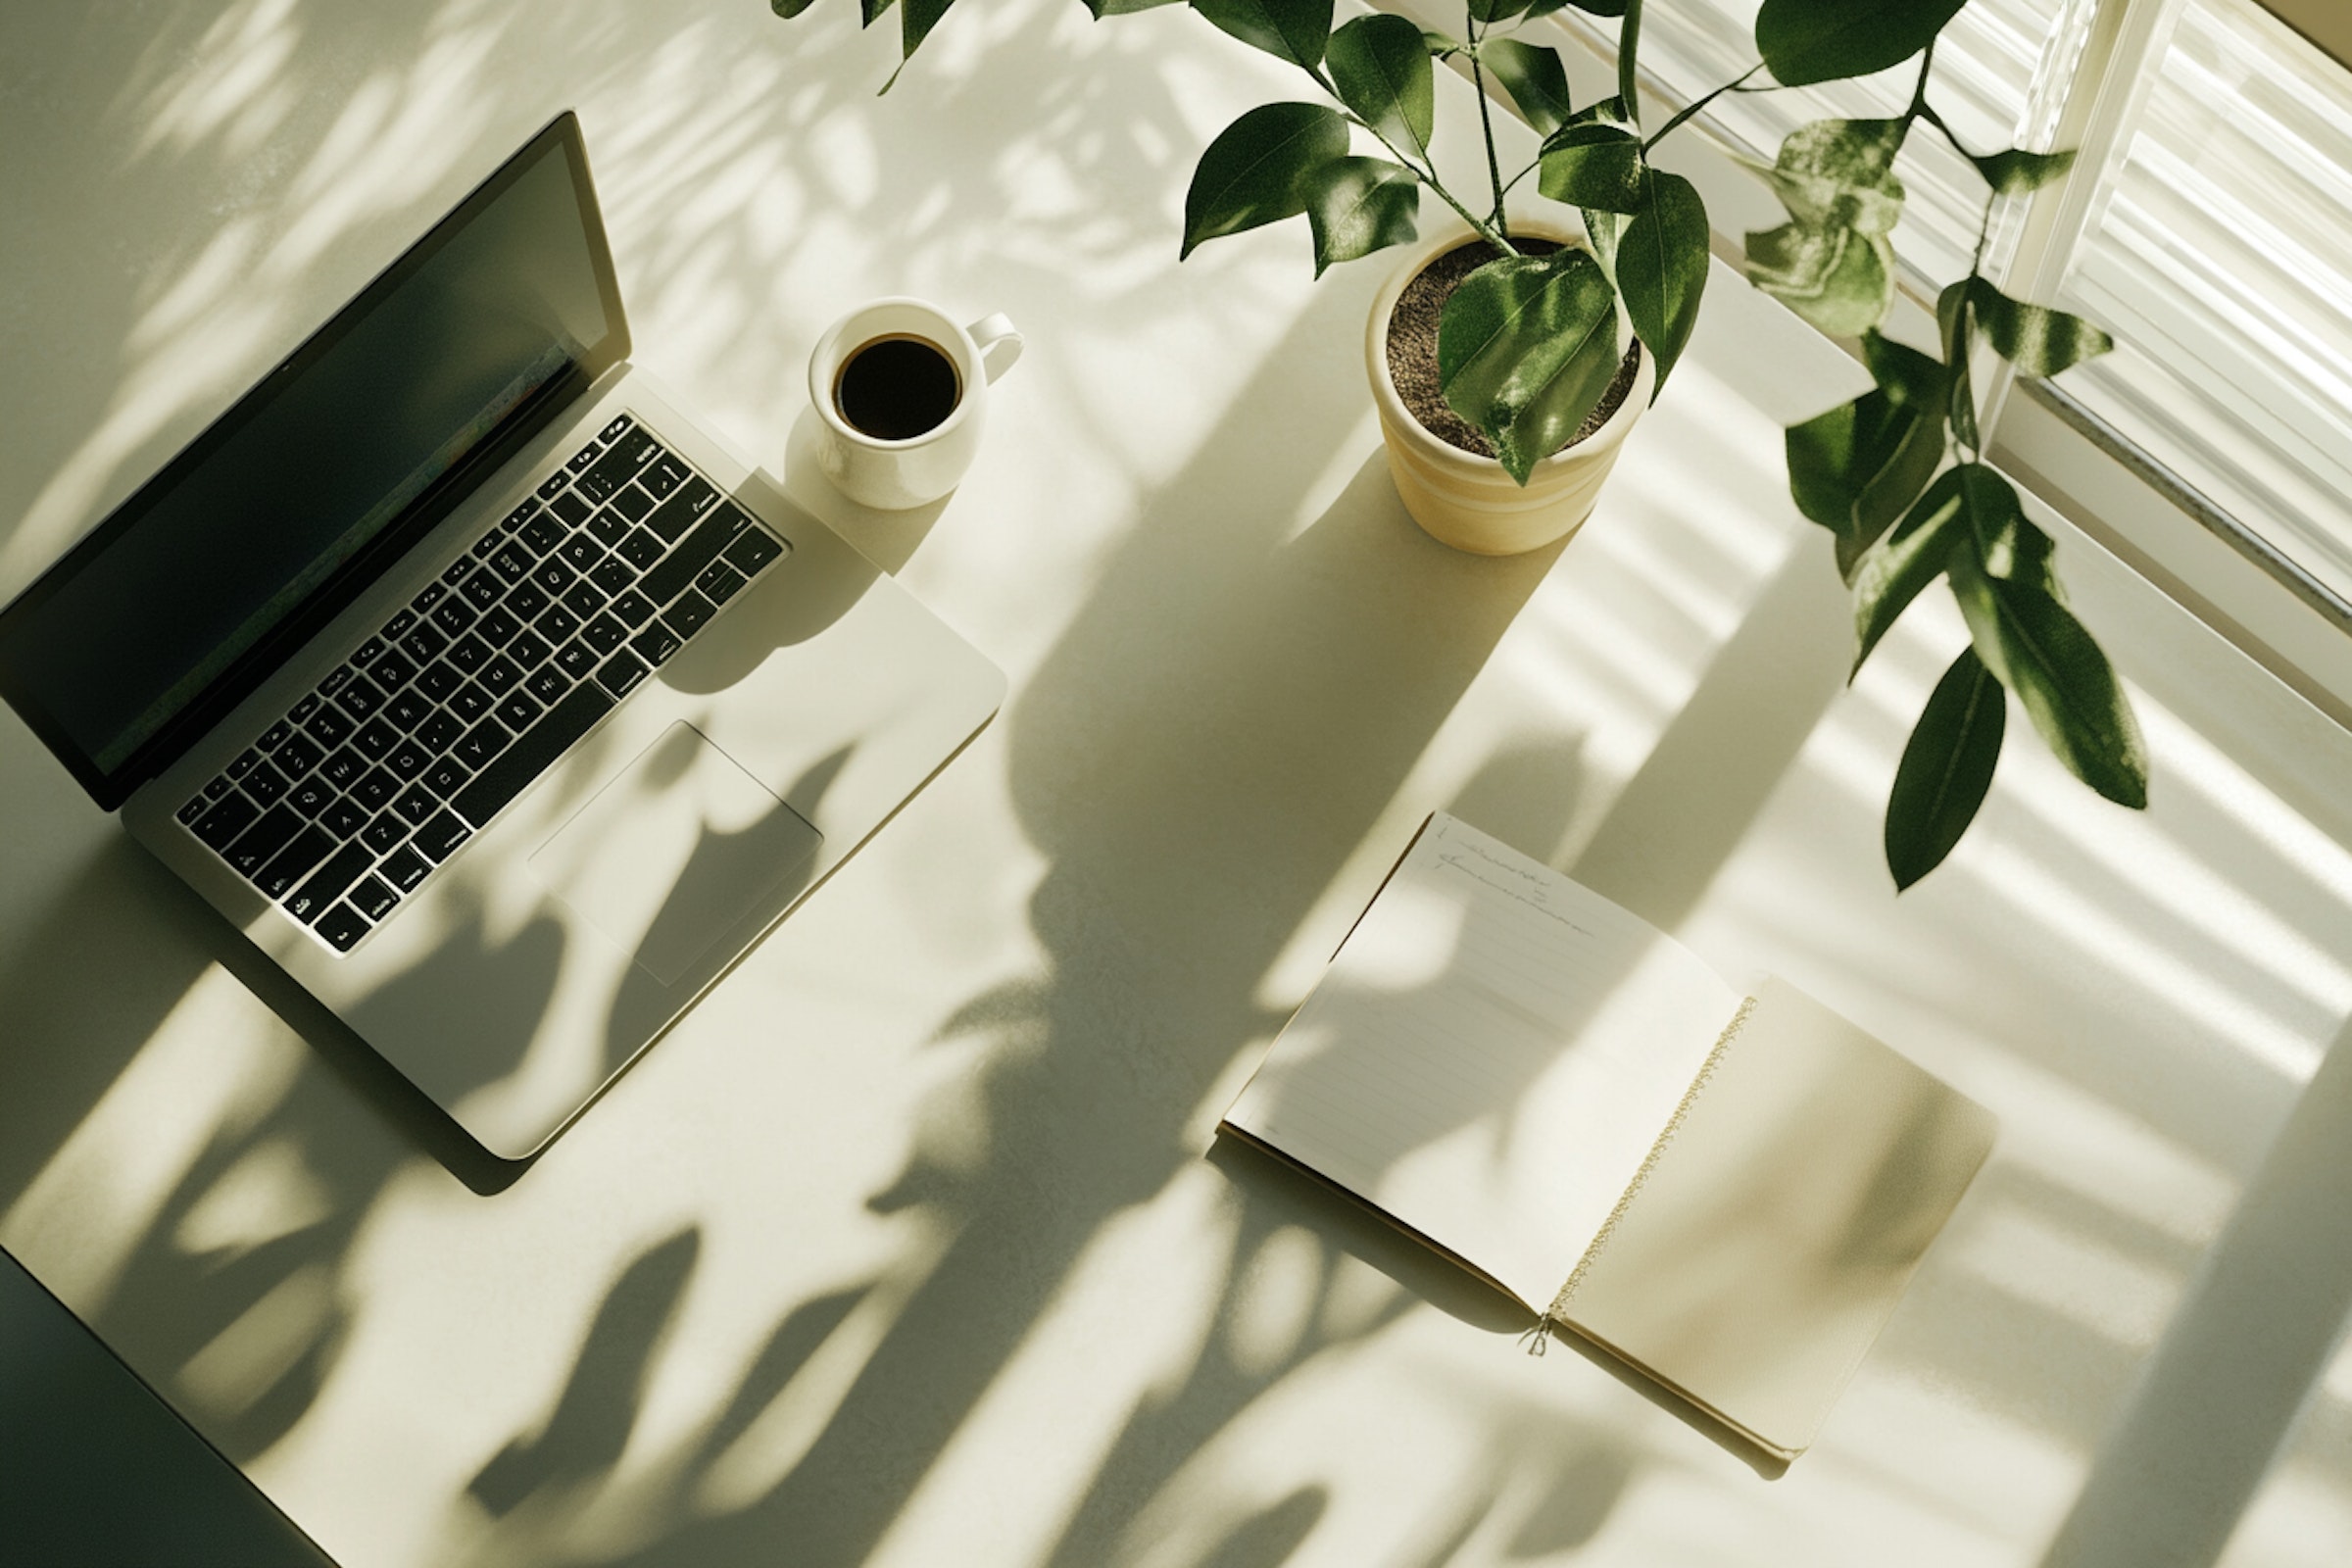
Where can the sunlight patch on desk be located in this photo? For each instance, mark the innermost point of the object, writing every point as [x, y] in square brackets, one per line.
[213, 1069]
[234, 87]
[2075, 1275]
[261, 1346]
[270, 1192]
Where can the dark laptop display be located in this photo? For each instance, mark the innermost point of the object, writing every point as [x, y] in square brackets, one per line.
[183, 600]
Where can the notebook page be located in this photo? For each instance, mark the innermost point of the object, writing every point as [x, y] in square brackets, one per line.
[1490, 1056]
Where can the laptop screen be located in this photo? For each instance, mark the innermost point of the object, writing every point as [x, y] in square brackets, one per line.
[193, 591]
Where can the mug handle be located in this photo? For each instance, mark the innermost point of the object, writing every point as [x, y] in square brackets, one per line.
[998, 342]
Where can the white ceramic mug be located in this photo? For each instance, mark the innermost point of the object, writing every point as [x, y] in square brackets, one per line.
[894, 474]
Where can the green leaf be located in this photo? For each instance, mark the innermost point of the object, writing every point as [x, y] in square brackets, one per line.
[1359, 205]
[1946, 768]
[1438, 45]
[1289, 29]
[1793, 259]
[789, 9]
[1525, 350]
[2013, 171]
[2036, 339]
[1254, 171]
[868, 9]
[1952, 320]
[2042, 653]
[1595, 164]
[916, 19]
[1662, 267]
[1807, 41]
[1834, 174]
[1854, 294]
[1894, 573]
[1380, 68]
[1856, 467]
[1534, 77]
[1906, 375]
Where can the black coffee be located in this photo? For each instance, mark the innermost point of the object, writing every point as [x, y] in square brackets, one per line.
[895, 388]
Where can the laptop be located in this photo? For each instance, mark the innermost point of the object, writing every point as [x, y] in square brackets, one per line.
[483, 688]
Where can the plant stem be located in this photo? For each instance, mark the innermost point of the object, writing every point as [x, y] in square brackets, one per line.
[1735, 85]
[1428, 177]
[1629, 40]
[1485, 125]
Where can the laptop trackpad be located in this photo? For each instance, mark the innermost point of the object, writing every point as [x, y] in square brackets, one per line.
[676, 849]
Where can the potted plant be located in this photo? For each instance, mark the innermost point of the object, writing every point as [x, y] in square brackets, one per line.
[1550, 324]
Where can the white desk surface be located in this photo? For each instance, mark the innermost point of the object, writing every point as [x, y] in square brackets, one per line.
[902, 1249]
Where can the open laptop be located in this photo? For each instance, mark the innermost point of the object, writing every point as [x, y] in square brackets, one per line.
[480, 685]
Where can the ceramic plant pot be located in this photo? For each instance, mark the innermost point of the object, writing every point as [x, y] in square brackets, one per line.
[1463, 499]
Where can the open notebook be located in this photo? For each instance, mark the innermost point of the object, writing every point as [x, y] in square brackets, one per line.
[1726, 1192]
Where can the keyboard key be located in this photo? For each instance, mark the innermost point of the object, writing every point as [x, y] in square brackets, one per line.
[385, 833]
[604, 634]
[571, 508]
[525, 600]
[376, 738]
[498, 627]
[298, 756]
[499, 676]
[633, 504]
[676, 516]
[612, 574]
[343, 769]
[554, 575]
[528, 508]
[518, 711]
[417, 802]
[553, 486]
[337, 679]
[342, 926]
[585, 599]
[423, 644]
[487, 545]
[620, 423]
[617, 466]
[486, 587]
[438, 837]
[230, 816]
[511, 562]
[432, 595]
[405, 869]
[274, 736]
[468, 653]
[656, 643]
[640, 548]
[305, 709]
[559, 623]
[454, 616]
[478, 745]
[622, 675]
[311, 797]
[265, 784]
[469, 703]
[218, 787]
[393, 670]
[408, 708]
[376, 789]
[246, 763]
[754, 549]
[610, 525]
[579, 462]
[408, 760]
[305, 850]
[191, 813]
[689, 615]
[366, 653]
[718, 582]
[373, 899]
[445, 777]
[438, 680]
[457, 572]
[439, 732]
[633, 608]
[328, 727]
[361, 697]
[528, 650]
[565, 722]
[664, 476]
[699, 550]
[343, 817]
[327, 884]
[547, 685]
[398, 626]
[575, 660]
[580, 552]
[543, 533]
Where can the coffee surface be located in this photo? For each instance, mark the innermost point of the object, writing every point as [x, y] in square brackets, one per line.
[897, 388]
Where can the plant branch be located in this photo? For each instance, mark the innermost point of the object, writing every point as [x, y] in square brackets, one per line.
[1486, 124]
[1737, 84]
[1629, 42]
[1427, 176]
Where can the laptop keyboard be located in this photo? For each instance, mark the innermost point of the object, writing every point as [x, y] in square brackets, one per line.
[343, 806]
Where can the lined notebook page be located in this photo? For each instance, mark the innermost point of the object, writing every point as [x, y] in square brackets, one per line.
[1490, 1056]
